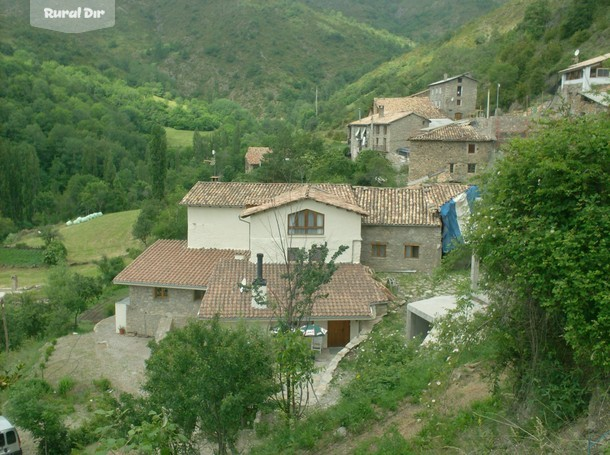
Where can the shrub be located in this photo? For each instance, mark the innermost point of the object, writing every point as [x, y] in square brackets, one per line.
[65, 385]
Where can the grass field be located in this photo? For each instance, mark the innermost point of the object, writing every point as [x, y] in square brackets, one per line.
[13, 257]
[179, 138]
[108, 235]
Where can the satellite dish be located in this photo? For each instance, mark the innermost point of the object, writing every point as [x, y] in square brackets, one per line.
[576, 52]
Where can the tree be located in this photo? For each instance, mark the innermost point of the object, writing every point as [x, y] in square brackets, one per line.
[30, 407]
[541, 233]
[73, 291]
[143, 227]
[157, 149]
[211, 378]
[304, 276]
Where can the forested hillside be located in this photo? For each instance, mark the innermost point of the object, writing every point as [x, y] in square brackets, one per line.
[76, 110]
[521, 46]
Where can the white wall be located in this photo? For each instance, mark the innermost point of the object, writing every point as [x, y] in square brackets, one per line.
[269, 232]
[216, 227]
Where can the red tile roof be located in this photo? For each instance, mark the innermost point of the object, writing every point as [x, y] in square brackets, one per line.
[255, 154]
[417, 104]
[302, 193]
[242, 194]
[386, 119]
[350, 293]
[453, 132]
[384, 206]
[413, 205]
[169, 263]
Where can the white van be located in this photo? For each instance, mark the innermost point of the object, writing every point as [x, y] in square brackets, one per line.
[10, 444]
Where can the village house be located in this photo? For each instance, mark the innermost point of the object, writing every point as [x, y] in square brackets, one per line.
[234, 228]
[254, 156]
[586, 85]
[386, 133]
[391, 121]
[456, 96]
[459, 149]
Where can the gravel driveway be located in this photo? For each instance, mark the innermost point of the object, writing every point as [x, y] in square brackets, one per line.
[100, 354]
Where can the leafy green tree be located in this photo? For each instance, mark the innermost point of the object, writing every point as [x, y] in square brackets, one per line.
[6, 227]
[157, 149]
[108, 268]
[211, 378]
[71, 290]
[373, 169]
[541, 231]
[143, 227]
[55, 252]
[30, 407]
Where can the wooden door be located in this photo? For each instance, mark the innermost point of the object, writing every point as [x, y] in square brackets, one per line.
[338, 333]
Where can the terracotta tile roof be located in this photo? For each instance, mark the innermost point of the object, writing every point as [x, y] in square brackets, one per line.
[242, 194]
[394, 206]
[417, 104]
[169, 263]
[377, 119]
[459, 132]
[413, 205]
[305, 192]
[591, 61]
[351, 292]
[254, 154]
[452, 78]
[437, 195]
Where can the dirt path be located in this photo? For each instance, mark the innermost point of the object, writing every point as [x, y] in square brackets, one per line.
[100, 354]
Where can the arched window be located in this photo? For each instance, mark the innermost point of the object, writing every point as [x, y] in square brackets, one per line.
[306, 222]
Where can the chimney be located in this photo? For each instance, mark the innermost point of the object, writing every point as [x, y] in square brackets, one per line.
[381, 109]
[259, 286]
[259, 281]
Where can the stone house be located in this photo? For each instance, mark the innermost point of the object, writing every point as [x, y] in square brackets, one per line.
[254, 156]
[384, 132]
[459, 149]
[586, 85]
[235, 228]
[456, 96]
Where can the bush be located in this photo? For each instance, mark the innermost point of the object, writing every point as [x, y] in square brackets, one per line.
[55, 253]
[65, 385]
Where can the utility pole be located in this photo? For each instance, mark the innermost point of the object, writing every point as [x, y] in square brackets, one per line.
[497, 99]
[4, 322]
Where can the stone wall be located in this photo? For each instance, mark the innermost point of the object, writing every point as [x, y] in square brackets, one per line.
[428, 238]
[431, 157]
[445, 96]
[145, 312]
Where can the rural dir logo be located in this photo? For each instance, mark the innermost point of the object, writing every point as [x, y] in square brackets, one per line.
[72, 16]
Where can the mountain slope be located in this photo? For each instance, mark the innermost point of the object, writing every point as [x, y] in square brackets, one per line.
[521, 46]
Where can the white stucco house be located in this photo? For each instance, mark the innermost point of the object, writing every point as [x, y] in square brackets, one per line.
[586, 84]
[236, 229]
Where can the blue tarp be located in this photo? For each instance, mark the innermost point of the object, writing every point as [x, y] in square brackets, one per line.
[452, 215]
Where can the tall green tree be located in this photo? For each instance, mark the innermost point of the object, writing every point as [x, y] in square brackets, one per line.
[157, 150]
[541, 231]
[211, 378]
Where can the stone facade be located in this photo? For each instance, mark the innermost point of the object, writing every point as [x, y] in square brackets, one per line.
[456, 96]
[145, 312]
[385, 133]
[394, 238]
[431, 157]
